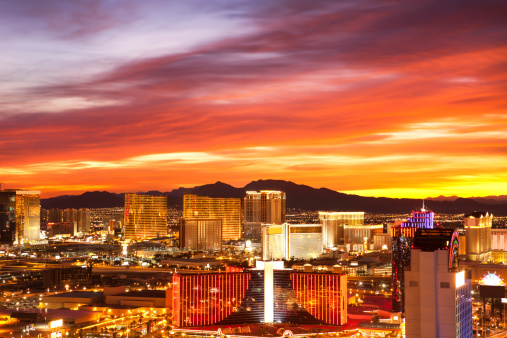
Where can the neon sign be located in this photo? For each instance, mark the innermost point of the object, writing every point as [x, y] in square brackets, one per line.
[454, 251]
[492, 279]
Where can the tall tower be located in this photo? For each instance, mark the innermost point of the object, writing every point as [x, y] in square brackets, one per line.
[83, 220]
[19, 216]
[420, 219]
[438, 295]
[227, 209]
[265, 206]
[478, 236]
[402, 239]
[145, 216]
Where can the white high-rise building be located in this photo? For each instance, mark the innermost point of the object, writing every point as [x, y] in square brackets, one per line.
[283, 241]
[438, 297]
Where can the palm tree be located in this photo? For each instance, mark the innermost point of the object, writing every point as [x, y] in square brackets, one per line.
[375, 318]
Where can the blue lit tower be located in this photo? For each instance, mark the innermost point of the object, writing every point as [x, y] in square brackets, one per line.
[420, 219]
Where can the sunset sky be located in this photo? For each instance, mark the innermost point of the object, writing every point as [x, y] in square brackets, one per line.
[376, 98]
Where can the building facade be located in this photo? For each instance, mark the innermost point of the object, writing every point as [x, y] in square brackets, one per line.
[478, 236]
[382, 241]
[145, 216]
[227, 209]
[402, 239]
[79, 216]
[283, 241]
[420, 219]
[83, 220]
[265, 206]
[19, 216]
[359, 238]
[201, 234]
[333, 226]
[499, 239]
[438, 296]
[264, 295]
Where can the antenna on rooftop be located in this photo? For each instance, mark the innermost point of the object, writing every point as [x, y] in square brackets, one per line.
[423, 209]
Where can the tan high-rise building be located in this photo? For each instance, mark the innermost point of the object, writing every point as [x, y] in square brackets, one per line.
[55, 215]
[478, 236]
[227, 209]
[70, 215]
[265, 206]
[333, 223]
[19, 216]
[201, 234]
[145, 216]
[83, 220]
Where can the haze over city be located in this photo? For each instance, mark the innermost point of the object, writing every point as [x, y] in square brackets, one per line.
[373, 98]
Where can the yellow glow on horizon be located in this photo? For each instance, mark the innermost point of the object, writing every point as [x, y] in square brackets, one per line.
[465, 191]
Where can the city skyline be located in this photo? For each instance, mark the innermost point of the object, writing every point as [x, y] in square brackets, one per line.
[370, 98]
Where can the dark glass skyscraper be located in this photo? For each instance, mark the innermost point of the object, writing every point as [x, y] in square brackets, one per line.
[19, 216]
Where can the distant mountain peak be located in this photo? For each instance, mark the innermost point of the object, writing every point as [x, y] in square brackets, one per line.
[298, 196]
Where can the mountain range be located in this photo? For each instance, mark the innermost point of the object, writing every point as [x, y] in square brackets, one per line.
[298, 196]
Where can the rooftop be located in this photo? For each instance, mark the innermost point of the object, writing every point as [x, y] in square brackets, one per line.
[78, 294]
[144, 293]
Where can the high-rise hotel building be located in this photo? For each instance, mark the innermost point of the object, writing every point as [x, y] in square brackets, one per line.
[420, 219]
[402, 239]
[145, 216]
[478, 236]
[284, 241]
[226, 209]
[333, 226]
[201, 234]
[267, 294]
[438, 293]
[265, 206]
[19, 216]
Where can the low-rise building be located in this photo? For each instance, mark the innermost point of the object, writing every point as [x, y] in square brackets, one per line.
[145, 298]
[72, 300]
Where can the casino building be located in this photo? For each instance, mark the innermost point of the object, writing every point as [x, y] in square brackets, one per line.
[438, 293]
[266, 294]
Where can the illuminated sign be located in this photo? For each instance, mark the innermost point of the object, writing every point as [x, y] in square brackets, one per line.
[460, 279]
[454, 251]
[492, 286]
[491, 279]
[55, 323]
